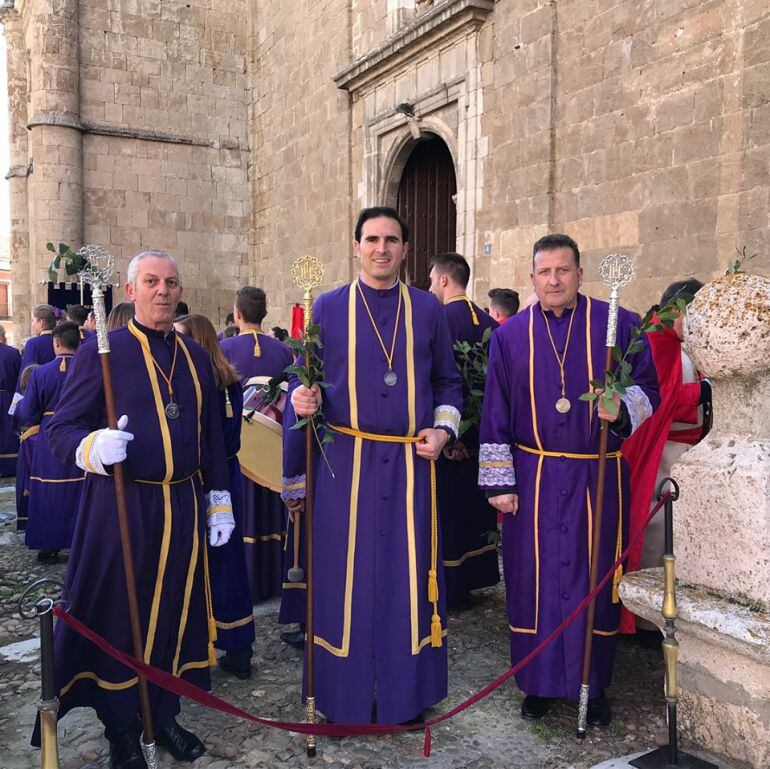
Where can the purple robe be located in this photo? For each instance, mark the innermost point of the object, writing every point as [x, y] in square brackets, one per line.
[229, 581]
[373, 543]
[170, 463]
[38, 349]
[546, 544]
[54, 488]
[264, 515]
[470, 560]
[27, 444]
[10, 365]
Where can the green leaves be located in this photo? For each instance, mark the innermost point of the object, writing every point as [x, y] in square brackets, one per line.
[735, 266]
[72, 261]
[472, 360]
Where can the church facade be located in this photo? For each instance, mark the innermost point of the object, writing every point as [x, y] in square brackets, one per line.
[239, 135]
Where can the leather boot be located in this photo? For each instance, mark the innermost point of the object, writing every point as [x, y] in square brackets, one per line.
[183, 745]
[125, 748]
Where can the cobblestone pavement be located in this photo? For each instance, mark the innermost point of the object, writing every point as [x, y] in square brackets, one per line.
[490, 735]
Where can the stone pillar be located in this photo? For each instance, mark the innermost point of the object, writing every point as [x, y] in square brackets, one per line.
[722, 530]
[55, 141]
[18, 169]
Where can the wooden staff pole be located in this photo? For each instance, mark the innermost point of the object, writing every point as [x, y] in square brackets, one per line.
[616, 270]
[148, 737]
[307, 272]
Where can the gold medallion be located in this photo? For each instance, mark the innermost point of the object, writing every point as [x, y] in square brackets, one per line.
[563, 405]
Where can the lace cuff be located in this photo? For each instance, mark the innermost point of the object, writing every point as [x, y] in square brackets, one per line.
[219, 508]
[86, 458]
[496, 466]
[449, 417]
[638, 405]
[293, 487]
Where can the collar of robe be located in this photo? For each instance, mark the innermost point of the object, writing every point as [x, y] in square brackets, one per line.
[165, 336]
[565, 314]
[370, 291]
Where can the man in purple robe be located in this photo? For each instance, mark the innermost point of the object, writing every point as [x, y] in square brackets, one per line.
[176, 479]
[538, 464]
[470, 559]
[78, 313]
[54, 488]
[39, 347]
[10, 366]
[393, 402]
[256, 354]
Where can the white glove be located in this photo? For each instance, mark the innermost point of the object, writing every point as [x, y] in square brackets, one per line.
[102, 448]
[221, 522]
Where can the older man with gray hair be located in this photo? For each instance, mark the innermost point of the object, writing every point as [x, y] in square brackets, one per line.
[176, 489]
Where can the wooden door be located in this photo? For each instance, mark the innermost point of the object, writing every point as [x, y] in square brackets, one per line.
[425, 200]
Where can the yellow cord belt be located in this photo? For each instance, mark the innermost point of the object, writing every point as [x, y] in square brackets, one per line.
[435, 622]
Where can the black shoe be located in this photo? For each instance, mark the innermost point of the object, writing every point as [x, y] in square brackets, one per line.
[535, 707]
[125, 750]
[183, 745]
[599, 712]
[294, 638]
[238, 663]
[48, 556]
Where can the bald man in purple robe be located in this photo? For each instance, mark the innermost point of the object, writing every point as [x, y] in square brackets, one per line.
[393, 402]
[177, 478]
[538, 465]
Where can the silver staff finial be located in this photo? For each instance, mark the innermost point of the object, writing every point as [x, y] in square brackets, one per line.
[616, 270]
[99, 265]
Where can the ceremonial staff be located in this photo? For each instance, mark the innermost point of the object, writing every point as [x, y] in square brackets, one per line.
[616, 270]
[307, 273]
[96, 271]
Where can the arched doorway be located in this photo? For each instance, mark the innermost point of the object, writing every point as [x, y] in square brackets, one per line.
[426, 200]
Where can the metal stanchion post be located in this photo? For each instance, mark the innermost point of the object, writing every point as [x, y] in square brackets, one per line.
[48, 705]
[670, 755]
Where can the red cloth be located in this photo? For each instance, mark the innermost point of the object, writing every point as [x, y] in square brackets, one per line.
[644, 449]
[297, 321]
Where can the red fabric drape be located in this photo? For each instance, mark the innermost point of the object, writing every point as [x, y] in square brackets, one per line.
[297, 320]
[644, 449]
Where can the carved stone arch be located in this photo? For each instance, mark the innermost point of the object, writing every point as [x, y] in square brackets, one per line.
[402, 148]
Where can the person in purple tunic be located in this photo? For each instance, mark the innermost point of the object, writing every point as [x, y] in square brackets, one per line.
[39, 347]
[230, 597]
[393, 402]
[54, 488]
[10, 366]
[176, 473]
[538, 465]
[470, 559]
[27, 442]
[78, 313]
[256, 354]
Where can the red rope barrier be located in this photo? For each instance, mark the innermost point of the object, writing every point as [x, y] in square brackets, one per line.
[183, 688]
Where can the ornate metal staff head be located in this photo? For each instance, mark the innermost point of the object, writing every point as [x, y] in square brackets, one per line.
[307, 272]
[616, 270]
[96, 271]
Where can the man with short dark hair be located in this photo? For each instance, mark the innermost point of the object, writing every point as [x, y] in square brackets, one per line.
[538, 465]
[39, 348]
[256, 355]
[393, 402]
[78, 313]
[470, 559]
[54, 488]
[503, 303]
[229, 326]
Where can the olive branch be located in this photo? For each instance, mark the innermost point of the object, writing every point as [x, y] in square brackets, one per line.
[473, 360]
[74, 262]
[309, 369]
[618, 379]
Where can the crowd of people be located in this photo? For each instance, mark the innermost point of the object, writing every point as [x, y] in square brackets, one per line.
[409, 493]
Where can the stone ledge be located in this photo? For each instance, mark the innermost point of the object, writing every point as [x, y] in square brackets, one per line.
[67, 120]
[445, 19]
[714, 620]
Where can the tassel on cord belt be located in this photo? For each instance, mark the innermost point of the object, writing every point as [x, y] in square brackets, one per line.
[435, 621]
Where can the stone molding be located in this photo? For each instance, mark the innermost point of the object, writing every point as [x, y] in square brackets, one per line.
[55, 118]
[445, 20]
[710, 618]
